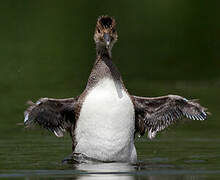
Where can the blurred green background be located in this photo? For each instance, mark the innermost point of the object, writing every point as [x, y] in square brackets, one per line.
[164, 47]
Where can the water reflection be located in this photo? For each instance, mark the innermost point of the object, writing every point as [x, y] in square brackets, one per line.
[108, 171]
[112, 171]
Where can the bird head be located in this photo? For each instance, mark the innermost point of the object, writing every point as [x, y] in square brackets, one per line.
[105, 32]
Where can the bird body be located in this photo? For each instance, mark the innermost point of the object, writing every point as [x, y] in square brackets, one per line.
[105, 127]
[105, 118]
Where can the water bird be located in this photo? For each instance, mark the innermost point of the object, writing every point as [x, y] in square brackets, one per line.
[104, 120]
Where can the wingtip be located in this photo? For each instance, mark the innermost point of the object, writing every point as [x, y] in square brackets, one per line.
[201, 116]
[30, 103]
[208, 113]
[26, 117]
[204, 114]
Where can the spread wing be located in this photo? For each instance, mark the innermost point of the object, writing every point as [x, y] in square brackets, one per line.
[56, 115]
[155, 114]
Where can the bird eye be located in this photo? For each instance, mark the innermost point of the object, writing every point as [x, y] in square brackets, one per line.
[99, 31]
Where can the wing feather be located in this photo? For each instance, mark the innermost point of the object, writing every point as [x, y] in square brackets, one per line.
[56, 115]
[156, 114]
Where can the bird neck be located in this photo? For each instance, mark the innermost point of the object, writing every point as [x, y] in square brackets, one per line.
[102, 51]
[103, 68]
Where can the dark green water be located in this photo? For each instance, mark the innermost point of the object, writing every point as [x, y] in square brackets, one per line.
[165, 47]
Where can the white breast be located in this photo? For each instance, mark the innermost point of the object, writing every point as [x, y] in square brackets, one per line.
[105, 127]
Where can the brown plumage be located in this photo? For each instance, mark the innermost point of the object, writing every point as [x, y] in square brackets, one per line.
[155, 114]
[56, 115]
[151, 114]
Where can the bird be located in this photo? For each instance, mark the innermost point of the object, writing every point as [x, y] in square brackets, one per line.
[104, 119]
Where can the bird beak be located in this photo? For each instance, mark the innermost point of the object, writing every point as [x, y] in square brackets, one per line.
[107, 39]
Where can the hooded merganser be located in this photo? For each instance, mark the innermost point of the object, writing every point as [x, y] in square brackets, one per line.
[105, 118]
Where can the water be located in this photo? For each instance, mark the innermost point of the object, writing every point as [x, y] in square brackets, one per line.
[186, 151]
[167, 157]
[165, 47]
